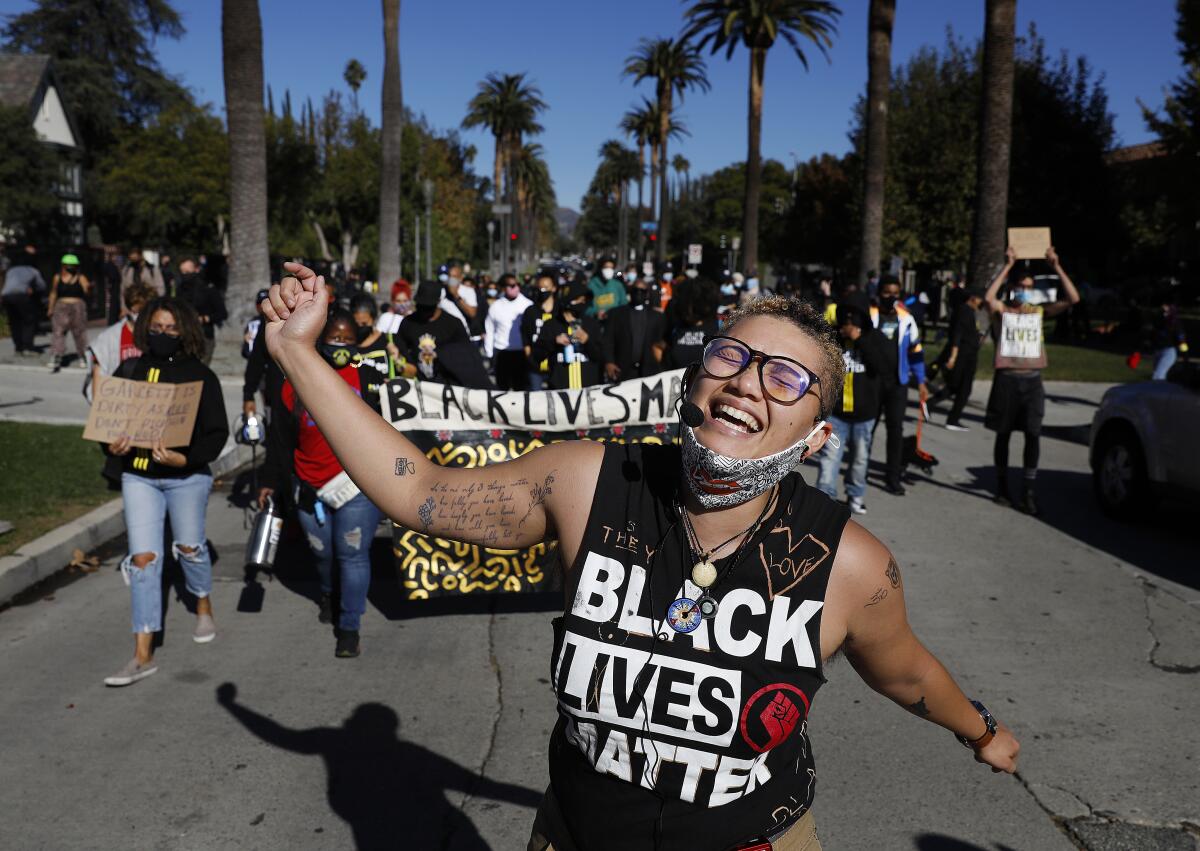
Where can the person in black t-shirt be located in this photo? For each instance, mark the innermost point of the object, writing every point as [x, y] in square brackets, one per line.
[960, 357]
[205, 299]
[571, 326]
[691, 316]
[690, 644]
[427, 329]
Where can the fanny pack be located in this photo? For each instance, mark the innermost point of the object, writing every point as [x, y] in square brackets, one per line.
[338, 491]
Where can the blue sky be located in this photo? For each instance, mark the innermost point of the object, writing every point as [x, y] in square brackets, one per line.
[574, 51]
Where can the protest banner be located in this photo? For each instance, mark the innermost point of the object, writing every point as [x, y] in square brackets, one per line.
[464, 427]
[1029, 243]
[143, 410]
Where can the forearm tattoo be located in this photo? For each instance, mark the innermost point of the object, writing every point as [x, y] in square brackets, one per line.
[483, 511]
[919, 708]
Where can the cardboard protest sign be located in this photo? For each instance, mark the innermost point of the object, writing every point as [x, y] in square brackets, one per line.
[1029, 243]
[143, 410]
[464, 427]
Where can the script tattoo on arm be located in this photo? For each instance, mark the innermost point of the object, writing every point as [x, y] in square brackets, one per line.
[878, 597]
[893, 573]
[483, 512]
[919, 708]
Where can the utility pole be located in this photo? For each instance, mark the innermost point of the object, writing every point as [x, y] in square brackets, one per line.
[491, 229]
[417, 251]
[429, 228]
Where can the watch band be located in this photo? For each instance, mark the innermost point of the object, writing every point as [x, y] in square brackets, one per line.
[989, 732]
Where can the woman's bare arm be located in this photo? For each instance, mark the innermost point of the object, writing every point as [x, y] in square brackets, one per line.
[508, 505]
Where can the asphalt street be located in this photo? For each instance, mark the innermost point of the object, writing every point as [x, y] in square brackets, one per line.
[1081, 634]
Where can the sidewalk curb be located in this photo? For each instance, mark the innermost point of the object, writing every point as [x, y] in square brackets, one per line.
[45, 556]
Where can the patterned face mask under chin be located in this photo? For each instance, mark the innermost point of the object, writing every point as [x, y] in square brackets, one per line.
[719, 481]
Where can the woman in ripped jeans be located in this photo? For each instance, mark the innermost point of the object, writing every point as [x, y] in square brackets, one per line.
[338, 520]
[158, 481]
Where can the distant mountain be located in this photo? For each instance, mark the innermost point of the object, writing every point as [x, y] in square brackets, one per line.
[566, 218]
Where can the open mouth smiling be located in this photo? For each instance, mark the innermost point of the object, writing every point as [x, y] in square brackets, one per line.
[734, 419]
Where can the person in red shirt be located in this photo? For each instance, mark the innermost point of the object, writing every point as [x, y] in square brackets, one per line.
[338, 520]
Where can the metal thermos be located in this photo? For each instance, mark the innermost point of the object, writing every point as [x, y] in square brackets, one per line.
[264, 536]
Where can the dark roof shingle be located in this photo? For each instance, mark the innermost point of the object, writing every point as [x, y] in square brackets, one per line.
[20, 76]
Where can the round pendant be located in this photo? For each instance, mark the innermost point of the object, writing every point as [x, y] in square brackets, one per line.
[704, 573]
[708, 607]
[683, 615]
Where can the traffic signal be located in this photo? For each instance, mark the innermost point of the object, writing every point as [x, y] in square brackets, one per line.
[512, 237]
[654, 237]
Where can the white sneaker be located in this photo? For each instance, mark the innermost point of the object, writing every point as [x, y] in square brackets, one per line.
[956, 427]
[131, 673]
[206, 629]
[857, 507]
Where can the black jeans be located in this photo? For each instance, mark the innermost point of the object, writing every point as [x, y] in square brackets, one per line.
[959, 382]
[22, 310]
[892, 404]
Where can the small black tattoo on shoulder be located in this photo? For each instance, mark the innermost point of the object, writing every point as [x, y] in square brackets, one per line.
[425, 512]
[878, 597]
[893, 573]
[919, 708]
[404, 467]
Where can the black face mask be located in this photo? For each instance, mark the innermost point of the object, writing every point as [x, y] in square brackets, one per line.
[362, 332]
[162, 345]
[336, 355]
[887, 303]
[190, 279]
[424, 314]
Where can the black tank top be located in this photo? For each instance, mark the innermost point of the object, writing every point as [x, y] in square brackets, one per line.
[70, 289]
[708, 728]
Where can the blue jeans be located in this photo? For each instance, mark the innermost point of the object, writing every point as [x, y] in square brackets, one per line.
[1164, 359]
[147, 504]
[857, 438]
[347, 533]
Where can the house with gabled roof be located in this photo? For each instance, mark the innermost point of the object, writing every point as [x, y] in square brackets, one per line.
[27, 80]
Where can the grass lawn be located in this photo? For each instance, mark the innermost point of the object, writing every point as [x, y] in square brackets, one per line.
[1067, 363]
[48, 476]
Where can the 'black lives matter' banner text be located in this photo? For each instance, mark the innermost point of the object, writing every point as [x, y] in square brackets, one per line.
[465, 427]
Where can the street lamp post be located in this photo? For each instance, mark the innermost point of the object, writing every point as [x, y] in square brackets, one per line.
[491, 229]
[428, 228]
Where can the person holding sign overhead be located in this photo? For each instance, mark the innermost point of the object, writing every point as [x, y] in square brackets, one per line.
[158, 481]
[1017, 401]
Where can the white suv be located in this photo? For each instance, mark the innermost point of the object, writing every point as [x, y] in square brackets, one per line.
[1145, 441]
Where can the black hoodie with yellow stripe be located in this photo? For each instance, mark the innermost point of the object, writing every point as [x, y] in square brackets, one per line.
[211, 428]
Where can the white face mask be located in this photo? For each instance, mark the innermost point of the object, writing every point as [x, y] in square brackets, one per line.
[606, 274]
[718, 481]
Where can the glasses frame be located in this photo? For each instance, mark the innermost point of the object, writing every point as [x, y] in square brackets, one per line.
[762, 358]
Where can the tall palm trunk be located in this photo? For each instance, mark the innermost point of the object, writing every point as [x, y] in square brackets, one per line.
[758, 66]
[390, 136]
[241, 53]
[664, 215]
[654, 181]
[641, 176]
[995, 142]
[879, 71]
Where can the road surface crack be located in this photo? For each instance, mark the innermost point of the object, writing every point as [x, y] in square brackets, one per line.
[1148, 590]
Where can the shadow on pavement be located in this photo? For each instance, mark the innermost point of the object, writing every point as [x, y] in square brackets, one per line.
[391, 793]
[941, 842]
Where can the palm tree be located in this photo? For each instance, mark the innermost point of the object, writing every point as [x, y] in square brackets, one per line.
[995, 141]
[390, 135]
[675, 66]
[354, 75]
[658, 159]
[879, 72]
[508, 106]
[241, 55]
[681, 166]
[534, 191]
[757, 24]
[618, 166]
[641, 124]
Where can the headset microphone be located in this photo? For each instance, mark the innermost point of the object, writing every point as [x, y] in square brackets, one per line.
[691, 414]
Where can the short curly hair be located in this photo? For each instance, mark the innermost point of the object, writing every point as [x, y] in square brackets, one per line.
[832, 368]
